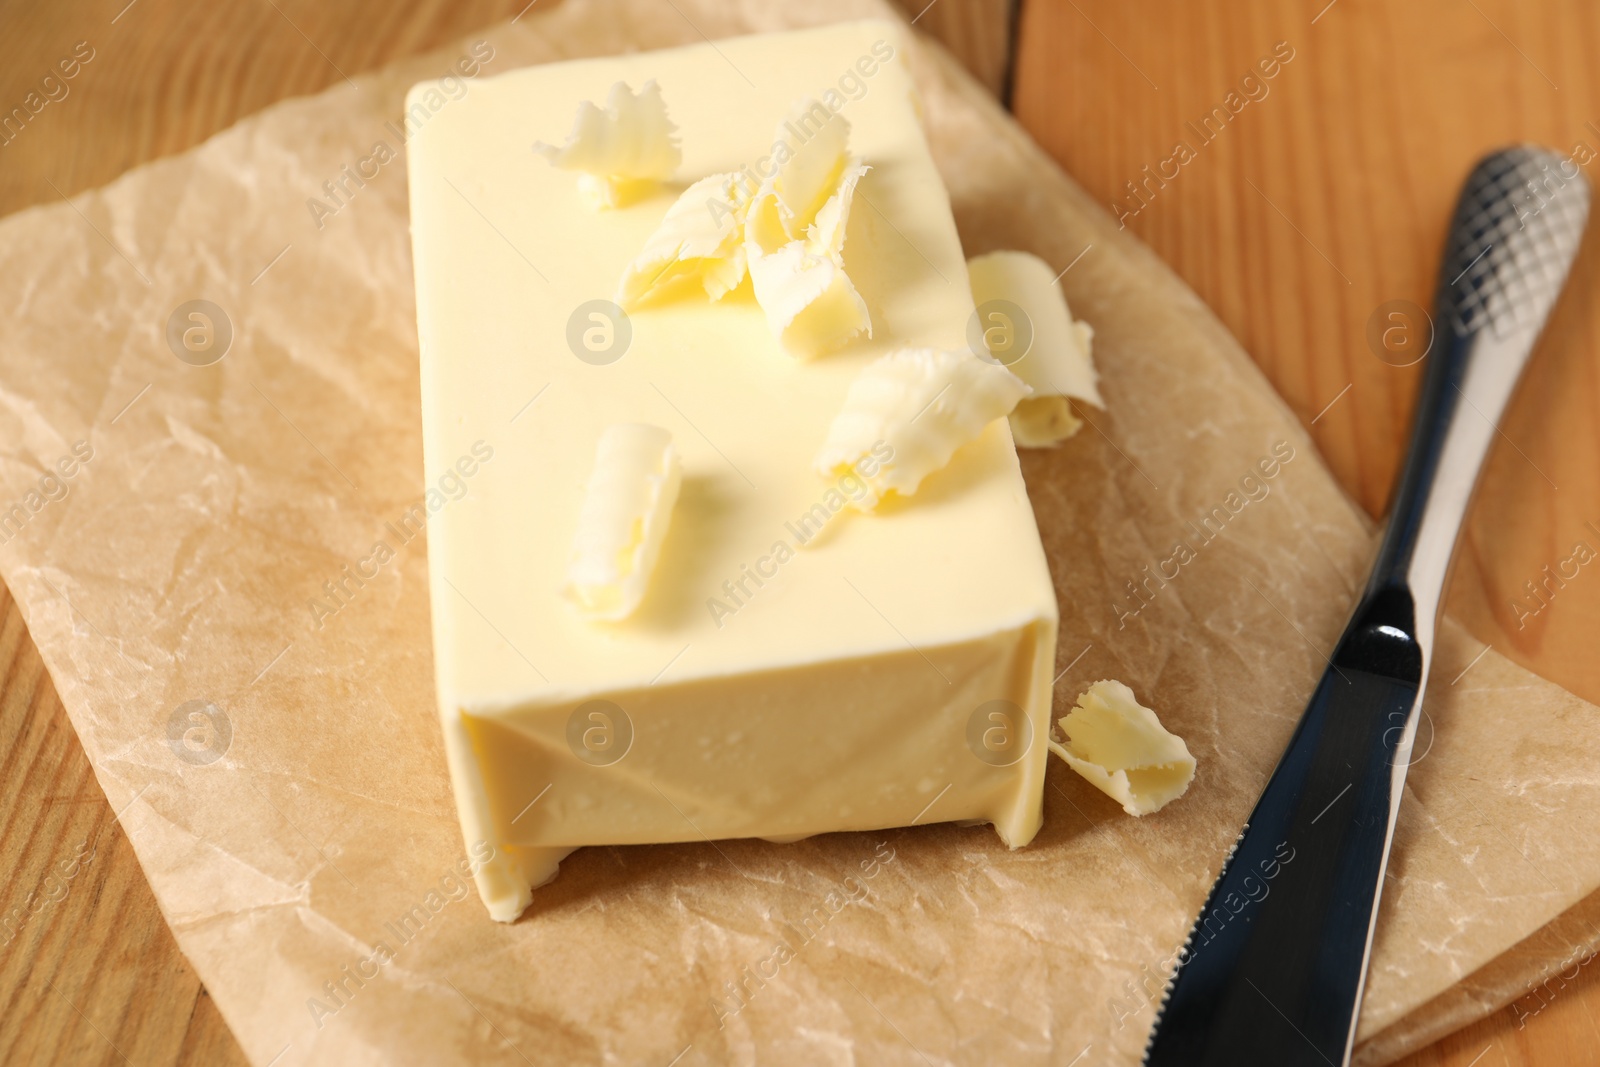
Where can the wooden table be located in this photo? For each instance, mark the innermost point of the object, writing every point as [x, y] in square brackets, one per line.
[1322, 201]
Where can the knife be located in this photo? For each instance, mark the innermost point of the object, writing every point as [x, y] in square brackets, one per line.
[1273, 970]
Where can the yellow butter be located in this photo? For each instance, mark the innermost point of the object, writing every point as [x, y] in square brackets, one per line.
[795, 233]
[923, 403]
[700, 239]
[1120, 747]
[1043, 421]
[758, 690]
[806, 177]
[1044, 347]
[623, 520]
[621, 150]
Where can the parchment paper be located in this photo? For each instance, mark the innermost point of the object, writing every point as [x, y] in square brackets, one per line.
[178, 565]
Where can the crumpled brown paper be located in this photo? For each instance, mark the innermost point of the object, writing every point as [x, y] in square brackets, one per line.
[283, 782]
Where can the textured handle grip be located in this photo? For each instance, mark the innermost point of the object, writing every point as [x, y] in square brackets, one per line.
[1516, 230]
[1514, 236]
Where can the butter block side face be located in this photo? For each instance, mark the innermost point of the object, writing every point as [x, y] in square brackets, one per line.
[795, 667]
[855, 744]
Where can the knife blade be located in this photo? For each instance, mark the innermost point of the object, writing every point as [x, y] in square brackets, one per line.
[1274, 968]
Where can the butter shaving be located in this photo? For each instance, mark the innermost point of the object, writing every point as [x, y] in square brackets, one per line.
[1058, 363]
[809, 175]
[621, 150]
[1120, 747]
[788, 235]
[623, 520]
[794, 238]
[923, 403]
[701, 238]
[811, 304]
[1043, 421]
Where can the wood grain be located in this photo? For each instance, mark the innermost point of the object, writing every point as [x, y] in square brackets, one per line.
[1320, 200]
[1325, 199]
[89, 972]
[1564, 1029]
[978, 32]
[94, 976]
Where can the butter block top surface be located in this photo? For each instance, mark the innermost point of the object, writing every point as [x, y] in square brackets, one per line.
[507, 256]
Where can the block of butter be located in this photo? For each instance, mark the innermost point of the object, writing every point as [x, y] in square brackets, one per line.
[795, 666]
